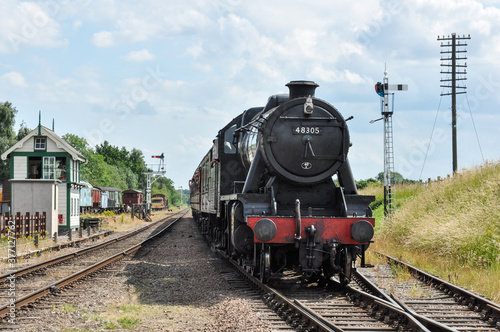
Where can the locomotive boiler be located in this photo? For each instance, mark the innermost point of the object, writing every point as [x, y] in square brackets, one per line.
[276, 190]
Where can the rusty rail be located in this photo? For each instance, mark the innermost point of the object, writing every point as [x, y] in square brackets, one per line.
[38, 294]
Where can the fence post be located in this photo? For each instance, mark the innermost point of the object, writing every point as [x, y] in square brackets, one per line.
[80, 231]
[88, 230]
[37, 240]
[132, 213]
[43, 223]
[71, 234]
[36, 222]
[6, 224]
[55, 237]
[17, 223]
[27, 225]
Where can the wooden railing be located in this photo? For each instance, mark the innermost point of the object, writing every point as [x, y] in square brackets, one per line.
[26, 225]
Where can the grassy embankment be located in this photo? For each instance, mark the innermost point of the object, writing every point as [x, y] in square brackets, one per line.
[449, 228]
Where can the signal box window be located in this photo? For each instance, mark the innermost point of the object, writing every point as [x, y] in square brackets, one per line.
[49, 167]
[40, 143]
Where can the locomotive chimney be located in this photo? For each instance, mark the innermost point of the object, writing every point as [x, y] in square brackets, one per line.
[301, 89]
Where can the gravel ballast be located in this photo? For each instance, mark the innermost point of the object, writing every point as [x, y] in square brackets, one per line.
[169, 286]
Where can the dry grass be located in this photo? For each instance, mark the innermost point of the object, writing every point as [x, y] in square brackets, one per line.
[124, 222]
[450, 228]
[118, 224]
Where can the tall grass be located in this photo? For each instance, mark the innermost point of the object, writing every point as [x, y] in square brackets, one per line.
[454, 223]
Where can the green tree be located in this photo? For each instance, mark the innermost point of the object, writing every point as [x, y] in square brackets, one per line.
[23, 131]
[110, 166]
[123, 159]
[7, 135]
[396, 178]
[138, 166]
[79, 143]
[361, 184]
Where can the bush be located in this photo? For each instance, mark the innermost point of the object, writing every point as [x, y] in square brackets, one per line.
[108, 214]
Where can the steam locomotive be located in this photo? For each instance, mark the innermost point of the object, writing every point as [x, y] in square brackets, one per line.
[265, 192]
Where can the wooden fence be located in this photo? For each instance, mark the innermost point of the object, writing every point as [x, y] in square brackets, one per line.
[26, 225]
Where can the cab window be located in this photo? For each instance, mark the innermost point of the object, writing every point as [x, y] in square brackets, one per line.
[229, 147]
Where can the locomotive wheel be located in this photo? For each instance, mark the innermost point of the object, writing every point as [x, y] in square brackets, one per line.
[265, 264]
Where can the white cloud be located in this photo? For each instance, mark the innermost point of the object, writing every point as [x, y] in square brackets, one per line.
[203, 67]
[128, 22]
[77, 24]
[195, 50]
[103, 39]
[14, 78]
[27, 24]
[139, 56]
[194, 144]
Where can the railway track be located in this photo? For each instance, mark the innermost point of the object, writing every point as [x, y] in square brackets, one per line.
[313, 307]
[366, 307]
[427, 296]
[36, 281]
[253, 295]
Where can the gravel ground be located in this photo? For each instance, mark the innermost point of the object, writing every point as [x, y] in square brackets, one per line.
[171, 286]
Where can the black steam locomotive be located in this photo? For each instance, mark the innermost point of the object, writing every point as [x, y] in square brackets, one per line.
[265, 192]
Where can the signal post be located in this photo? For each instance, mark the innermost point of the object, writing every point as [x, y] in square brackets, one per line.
[384, 90]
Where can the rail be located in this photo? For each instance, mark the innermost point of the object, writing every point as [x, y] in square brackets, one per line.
[41, 292]
[275, 298]
[397, 306]
[489, 309]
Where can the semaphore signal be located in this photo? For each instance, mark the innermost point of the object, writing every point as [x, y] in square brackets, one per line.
[384, 90]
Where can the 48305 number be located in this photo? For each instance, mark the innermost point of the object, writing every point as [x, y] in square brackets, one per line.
[303, 130]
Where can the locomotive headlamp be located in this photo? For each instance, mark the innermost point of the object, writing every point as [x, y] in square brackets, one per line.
[362, 231]
[308, 106]
[265, 230]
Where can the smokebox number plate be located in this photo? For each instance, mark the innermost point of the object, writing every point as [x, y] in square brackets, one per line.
[304, 130]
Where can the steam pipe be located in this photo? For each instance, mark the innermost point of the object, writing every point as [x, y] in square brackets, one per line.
[346, 179]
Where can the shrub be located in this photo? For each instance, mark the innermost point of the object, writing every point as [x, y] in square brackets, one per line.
[108, 214]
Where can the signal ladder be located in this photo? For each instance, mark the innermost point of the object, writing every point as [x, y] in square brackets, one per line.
[389, 192]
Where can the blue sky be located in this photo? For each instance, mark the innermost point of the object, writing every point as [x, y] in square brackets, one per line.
[165, 76]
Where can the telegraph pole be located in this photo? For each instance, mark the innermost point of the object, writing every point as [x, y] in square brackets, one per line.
[450, 59]
[383, 90]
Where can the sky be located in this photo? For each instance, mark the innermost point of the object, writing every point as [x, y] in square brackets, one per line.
[164, 76]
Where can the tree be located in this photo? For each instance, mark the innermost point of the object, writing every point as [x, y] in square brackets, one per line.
[79, 143]
[7, 135]
[23, 131]
[138, 166]
[396, 178]
[109, 166]
[111, 154]
[361, 184]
